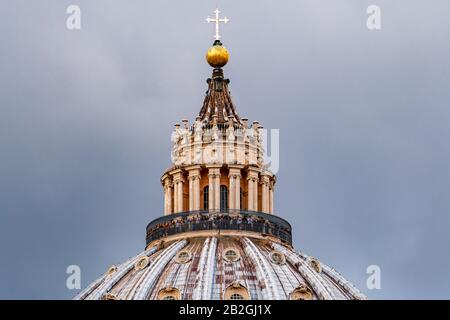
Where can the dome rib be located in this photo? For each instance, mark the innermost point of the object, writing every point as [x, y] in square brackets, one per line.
[154, 271]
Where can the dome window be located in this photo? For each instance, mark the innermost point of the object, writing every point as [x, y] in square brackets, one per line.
[231, 255]
[301, 293]
[277, 258]
[236, 296]
[169, 294]
[236, 291]
[183, 257]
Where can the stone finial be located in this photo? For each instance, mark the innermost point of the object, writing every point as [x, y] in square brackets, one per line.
[214, 119]
[231, 120]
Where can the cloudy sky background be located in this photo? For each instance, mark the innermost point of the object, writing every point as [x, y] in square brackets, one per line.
[86, 117]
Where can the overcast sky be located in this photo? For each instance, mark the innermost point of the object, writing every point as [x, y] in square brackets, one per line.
[364, 119]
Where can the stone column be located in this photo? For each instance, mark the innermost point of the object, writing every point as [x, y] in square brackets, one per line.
[235, 187]
[255, 194]
[197, 193]
[167, 194]
[194, 188]
[271, 198]
[175, 196]
[237, 196]
[264, 197]
[265, 201]
[211, 190]
[191, 192]
[170, 199]
[232, 192]
[253, 175]
[250, 194]
[217, 190]
[178, 189]
[180, 196]
[214, 187]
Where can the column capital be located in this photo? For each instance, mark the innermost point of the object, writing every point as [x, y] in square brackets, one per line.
[193, 172]
[252, 175]
[168, 183]
[193, 177]
[213, 171]
[178, 176]
[272, 184]
[265, 180]
[235, 171]
[234, 175]
[166, 180]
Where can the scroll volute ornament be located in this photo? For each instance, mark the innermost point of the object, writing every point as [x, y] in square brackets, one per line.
[109, 296]
[315, 264]
[160, 245]
[111, 270]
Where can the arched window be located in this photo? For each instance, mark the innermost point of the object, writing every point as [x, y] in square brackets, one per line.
[169, 294]
[223, 198]
[206, 198]
[301, 293]
[241, 199]
[231, 255]
[236, 291]
[183, 257]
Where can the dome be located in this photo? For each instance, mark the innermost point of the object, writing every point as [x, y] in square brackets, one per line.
[217, 55]
[219, 237]
[221, 267]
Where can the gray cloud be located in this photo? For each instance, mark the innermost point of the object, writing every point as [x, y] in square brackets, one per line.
[363, 116]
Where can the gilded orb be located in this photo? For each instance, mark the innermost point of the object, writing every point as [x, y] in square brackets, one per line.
[217, 56]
